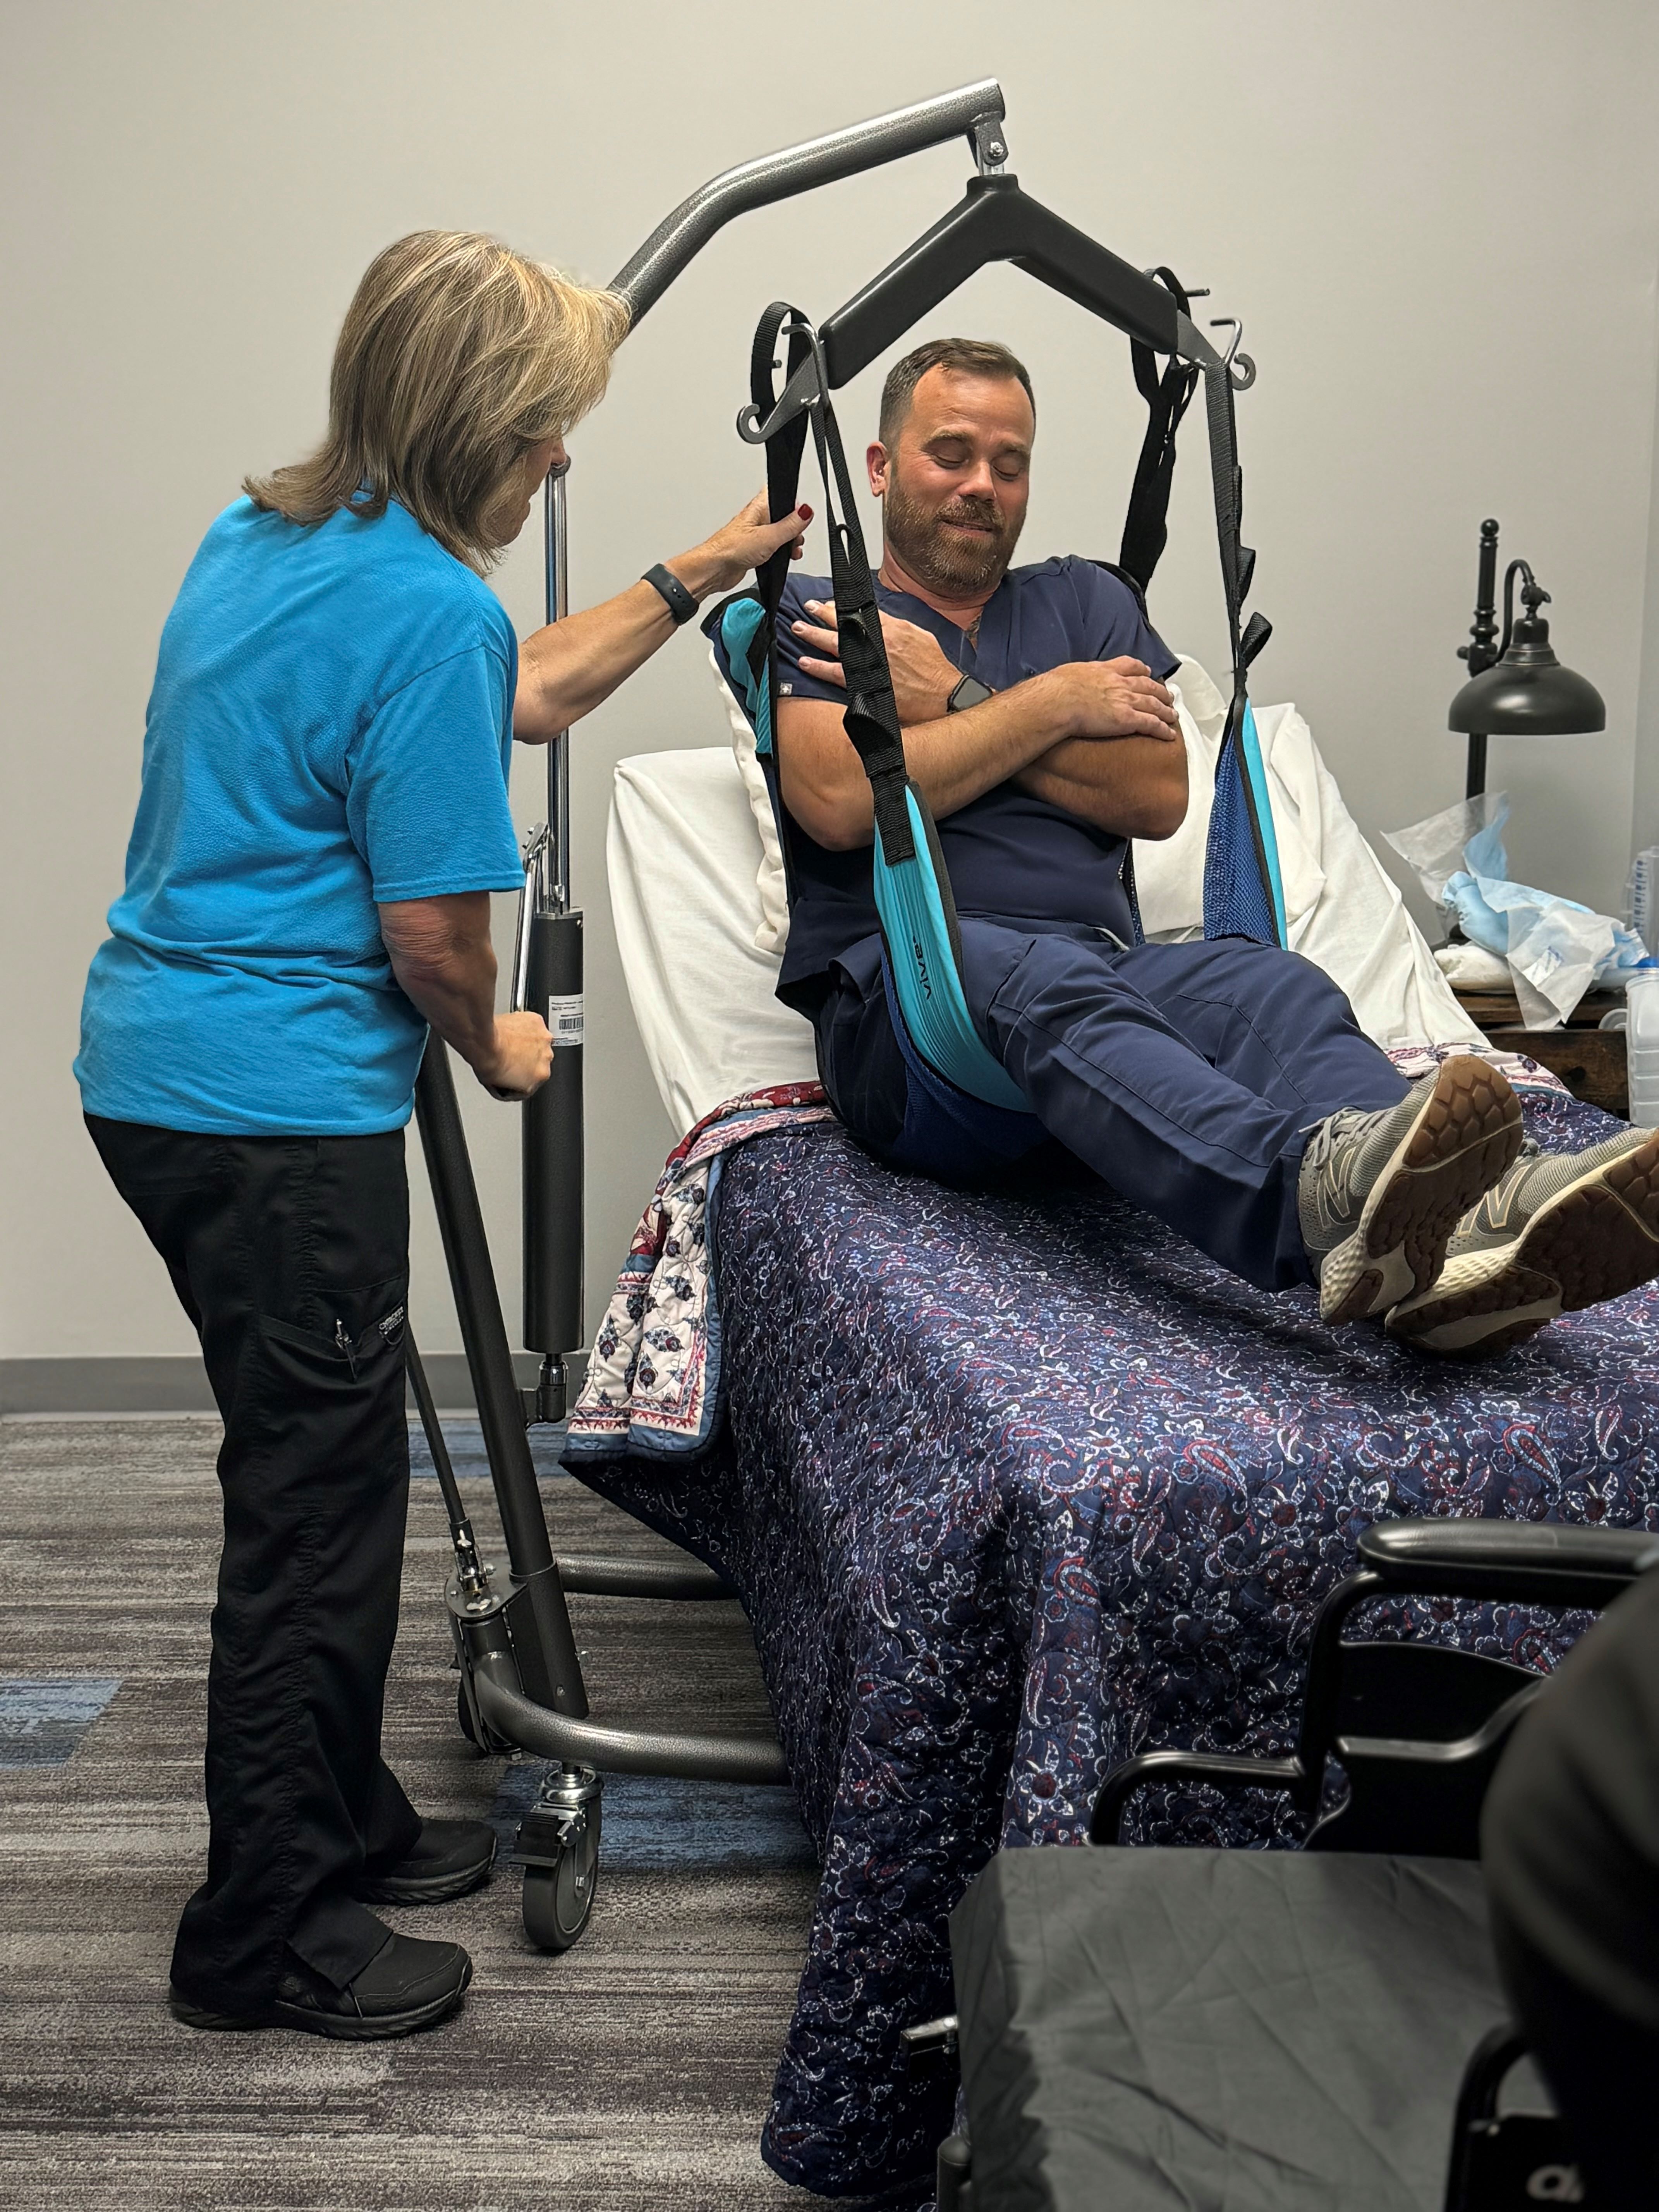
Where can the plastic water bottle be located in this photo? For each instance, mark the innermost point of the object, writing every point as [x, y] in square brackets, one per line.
[1642, 896]
[1642, 1046]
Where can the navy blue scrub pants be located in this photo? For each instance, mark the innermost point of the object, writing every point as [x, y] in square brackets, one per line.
[1186, 1076]
[290, 1256]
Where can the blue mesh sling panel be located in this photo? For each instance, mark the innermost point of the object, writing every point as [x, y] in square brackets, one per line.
[739, 624]
[1243, 891]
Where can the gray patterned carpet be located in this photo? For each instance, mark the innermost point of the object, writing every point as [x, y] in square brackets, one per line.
[630, 2076]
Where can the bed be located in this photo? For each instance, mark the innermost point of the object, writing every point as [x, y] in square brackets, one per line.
[1015, 1484]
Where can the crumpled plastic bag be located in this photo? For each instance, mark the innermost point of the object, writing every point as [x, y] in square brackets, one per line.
[1434, 847]
[1556, 949]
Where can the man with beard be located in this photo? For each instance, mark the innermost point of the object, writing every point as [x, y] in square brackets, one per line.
[1225, 1086]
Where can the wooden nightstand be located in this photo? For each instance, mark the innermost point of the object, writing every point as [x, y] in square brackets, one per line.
[1590, 1061]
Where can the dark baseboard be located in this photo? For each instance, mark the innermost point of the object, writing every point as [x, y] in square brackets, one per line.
[180, 1386]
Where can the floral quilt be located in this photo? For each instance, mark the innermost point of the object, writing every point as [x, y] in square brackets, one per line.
[1015, 1484]
[652, 1388]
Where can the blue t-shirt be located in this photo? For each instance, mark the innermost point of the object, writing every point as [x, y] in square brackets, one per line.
[1009, 855]
[329, 729]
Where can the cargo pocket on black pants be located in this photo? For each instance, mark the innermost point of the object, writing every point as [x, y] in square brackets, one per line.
[337, 1391]
[314, 1543]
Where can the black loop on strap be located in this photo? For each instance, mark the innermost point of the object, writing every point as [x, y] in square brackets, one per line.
[1257, 631]
[1168, 396]
[1237, 560]
[872, 717]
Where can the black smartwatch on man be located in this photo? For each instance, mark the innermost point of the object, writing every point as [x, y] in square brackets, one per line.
[970, 692]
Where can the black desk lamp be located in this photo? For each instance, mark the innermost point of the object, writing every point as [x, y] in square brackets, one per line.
[1520, 691]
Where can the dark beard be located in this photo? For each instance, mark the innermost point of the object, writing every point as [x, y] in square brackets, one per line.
[948, 565]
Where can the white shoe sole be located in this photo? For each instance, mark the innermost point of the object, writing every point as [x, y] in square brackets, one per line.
[1594, 1241]
[1466, 1136]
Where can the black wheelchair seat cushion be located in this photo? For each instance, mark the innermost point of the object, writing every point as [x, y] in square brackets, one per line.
[1218, 2031]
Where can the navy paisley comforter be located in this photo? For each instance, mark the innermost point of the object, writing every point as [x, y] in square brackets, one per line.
[1016, 1485]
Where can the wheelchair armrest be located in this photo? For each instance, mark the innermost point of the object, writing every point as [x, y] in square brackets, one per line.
[1223, 1769]
[1546, 1563]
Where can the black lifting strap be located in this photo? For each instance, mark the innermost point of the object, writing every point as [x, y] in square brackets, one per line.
[1237, 559]
[1145, 526]
[783, 453]
[872, 717]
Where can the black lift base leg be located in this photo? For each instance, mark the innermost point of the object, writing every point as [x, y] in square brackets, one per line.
[546, 1650]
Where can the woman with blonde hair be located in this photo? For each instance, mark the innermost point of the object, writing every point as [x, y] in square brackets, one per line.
[322, 815]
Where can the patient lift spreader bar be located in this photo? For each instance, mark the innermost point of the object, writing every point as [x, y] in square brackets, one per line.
[521, 1686]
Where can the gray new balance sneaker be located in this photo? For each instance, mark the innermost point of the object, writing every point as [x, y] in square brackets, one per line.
[1380, 1194]
[1560, 1231]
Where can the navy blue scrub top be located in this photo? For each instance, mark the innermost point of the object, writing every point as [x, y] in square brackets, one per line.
[1011, 855]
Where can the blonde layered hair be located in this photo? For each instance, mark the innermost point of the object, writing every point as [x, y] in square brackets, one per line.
[456, 356]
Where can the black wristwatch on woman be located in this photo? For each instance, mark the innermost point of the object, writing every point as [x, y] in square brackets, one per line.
[681, 605]
[970, 692]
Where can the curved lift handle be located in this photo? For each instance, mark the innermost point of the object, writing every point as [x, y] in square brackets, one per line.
[974, 111]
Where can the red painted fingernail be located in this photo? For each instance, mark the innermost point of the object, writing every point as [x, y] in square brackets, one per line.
[804, 511]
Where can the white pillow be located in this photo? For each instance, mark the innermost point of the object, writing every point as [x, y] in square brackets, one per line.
[772, 931]
[1342, 909]
[681, 855]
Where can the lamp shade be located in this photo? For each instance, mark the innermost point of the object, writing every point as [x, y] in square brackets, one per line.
[1508, 701]
[1528, 694]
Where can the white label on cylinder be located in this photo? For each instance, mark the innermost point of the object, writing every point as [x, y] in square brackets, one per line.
[1642, 1047]
[564, 1019]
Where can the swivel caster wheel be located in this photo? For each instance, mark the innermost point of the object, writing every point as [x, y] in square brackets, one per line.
[558, 1842]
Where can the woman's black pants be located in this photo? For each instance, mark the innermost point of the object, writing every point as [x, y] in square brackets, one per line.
[290, 1254]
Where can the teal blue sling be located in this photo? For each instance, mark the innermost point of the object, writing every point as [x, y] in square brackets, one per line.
[909, 900]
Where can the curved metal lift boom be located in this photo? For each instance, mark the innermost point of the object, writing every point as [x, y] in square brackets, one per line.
[521, 1680]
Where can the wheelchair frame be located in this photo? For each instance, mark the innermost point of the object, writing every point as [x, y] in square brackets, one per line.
[1435, 1722]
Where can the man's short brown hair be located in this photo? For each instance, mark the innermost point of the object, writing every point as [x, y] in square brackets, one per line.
[964, 357]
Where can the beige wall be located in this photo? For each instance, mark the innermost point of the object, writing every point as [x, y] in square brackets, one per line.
[1438, 221]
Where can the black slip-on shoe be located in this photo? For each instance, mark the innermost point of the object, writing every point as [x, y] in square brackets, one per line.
[192, 2015]
[1380, 1194]
[450, 1858]
[407, 1985]
[1561, 1231]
